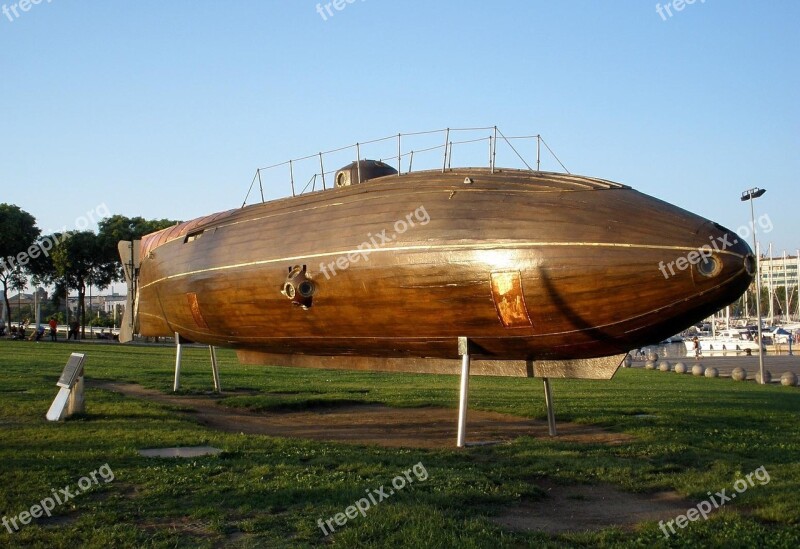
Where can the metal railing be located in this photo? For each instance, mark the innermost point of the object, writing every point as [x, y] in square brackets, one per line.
[446, 145]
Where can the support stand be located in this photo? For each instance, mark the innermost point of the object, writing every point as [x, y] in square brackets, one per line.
[551, 415]
[178, 353]
[214, 368]
[463, 350]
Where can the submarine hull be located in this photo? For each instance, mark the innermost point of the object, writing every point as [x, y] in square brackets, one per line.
[527, 265]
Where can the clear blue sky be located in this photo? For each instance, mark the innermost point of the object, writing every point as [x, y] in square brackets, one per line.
[165, 109]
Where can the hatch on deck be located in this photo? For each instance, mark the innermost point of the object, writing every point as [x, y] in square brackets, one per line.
[358, 172]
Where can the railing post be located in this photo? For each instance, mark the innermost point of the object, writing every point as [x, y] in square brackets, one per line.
[450, 156]
[494, 149]
[399, 155]
[538, 151]
[358, 161]
[291, 176]
[446, 140]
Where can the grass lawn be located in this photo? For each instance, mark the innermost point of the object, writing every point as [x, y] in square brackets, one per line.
[691, 435]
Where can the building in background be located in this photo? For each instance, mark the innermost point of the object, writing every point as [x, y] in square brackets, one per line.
[779, 275]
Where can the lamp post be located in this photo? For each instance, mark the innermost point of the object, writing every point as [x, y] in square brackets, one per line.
[752, 194]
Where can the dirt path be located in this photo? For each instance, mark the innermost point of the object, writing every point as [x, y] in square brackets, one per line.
[578, 508]
[573, 508]
[365, 423]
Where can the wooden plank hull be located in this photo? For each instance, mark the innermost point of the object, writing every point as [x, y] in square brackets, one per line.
[528, 265]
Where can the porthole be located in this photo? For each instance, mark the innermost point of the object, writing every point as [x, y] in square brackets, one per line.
[750, 264]
[709, 266]
[306, 288]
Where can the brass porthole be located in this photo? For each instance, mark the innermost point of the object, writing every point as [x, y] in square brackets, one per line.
[709, 266]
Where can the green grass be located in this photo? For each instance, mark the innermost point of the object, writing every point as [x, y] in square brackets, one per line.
[268, 491]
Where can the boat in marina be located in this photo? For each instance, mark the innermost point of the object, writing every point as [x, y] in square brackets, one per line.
[733, 339]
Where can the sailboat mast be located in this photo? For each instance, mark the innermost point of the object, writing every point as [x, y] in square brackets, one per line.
[769, 288]
[785, 288]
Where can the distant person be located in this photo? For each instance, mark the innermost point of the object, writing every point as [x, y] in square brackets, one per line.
[696, 348]
[53, 329]
[38, 334]
[74, 326]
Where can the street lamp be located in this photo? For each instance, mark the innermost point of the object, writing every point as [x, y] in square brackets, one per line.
[752, 194]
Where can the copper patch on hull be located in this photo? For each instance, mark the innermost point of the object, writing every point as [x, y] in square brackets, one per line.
[194, 306]
[509, 300]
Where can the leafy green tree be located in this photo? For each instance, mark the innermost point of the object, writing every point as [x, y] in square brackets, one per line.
[112, 230]
[78, 261]
[18, 234]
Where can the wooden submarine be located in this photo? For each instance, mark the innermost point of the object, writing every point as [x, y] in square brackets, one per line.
[531, 273]
[487, 271]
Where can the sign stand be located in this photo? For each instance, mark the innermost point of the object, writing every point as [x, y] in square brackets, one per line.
[69, 399]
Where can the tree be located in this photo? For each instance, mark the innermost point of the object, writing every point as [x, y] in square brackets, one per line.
[18, 234]
[112, 230]
[78, 260]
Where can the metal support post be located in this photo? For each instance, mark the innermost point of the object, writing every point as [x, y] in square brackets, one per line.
[215, 368]
[551, 415]
[463, 350]
[177, 384]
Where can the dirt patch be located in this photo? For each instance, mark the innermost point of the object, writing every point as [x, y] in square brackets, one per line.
[366, 423]
[581, 508]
